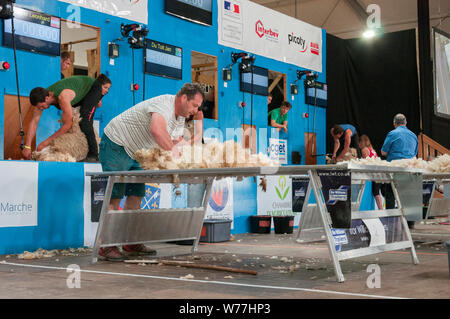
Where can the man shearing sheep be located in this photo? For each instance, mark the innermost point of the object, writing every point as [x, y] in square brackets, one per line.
[151, 123]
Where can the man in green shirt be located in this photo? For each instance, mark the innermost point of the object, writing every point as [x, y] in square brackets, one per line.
[279, 117]
[65, 94]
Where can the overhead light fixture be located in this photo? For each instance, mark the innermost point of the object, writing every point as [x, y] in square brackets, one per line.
[369, 34]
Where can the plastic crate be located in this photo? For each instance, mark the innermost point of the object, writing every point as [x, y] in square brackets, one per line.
[215, 230]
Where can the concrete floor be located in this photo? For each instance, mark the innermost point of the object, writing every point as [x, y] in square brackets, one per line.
[286, 270]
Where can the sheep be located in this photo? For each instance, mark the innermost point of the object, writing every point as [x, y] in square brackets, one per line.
[69, 147]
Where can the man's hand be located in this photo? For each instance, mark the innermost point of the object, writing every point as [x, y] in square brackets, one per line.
[177, 140]
[176, 153]
[43, 145]
[285, 128]
[26, 153]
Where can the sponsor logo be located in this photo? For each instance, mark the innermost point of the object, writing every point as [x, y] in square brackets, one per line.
[283, 190]
[300, 192]
[219, 197]
[292, 38]
[336, 195]
[99, 196]
[268, 33]
[315, 48]
[340, 237]
[278, 149]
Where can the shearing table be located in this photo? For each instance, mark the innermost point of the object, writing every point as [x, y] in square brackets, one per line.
[124, 227]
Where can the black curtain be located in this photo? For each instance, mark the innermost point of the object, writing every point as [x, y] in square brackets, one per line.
[369, 82]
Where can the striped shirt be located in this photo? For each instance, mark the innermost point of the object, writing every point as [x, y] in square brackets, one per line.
[131, 129]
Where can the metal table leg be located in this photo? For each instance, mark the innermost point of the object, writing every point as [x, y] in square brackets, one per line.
[105, 208]
[206, 196]
[316, 185]
[405, 224]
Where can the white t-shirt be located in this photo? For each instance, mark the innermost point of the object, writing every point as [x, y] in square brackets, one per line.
[131, 129]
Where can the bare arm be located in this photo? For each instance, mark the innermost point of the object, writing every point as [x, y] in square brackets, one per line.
[336, 144]
[31, 132]
[158, 129]
[64, 100]
[198, 128]
[348, 139]
[275, 124]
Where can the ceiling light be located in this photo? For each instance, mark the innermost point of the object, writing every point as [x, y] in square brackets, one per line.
[369, 34]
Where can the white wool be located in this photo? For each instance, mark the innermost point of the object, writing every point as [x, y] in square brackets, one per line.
[72, 146]
[211, 155]
[440, 164]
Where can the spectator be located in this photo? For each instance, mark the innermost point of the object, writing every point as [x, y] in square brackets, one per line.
[367, 150]
[400, 143]
[279, 117]
[66, 62]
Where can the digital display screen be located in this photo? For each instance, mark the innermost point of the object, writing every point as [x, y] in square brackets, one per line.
[442, 73]
[260, 81]
[163, 59]
[199, 11]
[317, 95]
[34, 31]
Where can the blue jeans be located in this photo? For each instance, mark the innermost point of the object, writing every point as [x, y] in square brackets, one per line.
[113, 157]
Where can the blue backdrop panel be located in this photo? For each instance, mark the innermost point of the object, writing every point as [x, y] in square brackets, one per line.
[244, 204]
[60, 212]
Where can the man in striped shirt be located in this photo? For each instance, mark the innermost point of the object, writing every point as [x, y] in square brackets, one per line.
[157, 122]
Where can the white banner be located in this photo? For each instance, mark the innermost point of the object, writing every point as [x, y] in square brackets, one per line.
[220, 204]
[250, 27]
[19, 193]
[135, 10]
[277, 199]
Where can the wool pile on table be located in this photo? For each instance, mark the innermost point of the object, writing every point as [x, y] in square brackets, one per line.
[441, 164]
[211, 155]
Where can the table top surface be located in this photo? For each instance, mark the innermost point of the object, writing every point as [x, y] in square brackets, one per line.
[262, 171]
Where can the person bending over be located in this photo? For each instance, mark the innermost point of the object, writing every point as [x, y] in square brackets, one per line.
[344, 136]
[66, 94]
[157, 122]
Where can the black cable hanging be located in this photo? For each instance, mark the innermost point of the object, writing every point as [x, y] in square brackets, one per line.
[251, 110]
[22, 133]
[143, 73]
[132, 59]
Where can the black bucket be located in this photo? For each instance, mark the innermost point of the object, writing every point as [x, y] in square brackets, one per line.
[283, 224]
[260, 224]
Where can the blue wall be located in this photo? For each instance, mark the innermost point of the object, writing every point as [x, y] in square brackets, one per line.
[41, 70]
